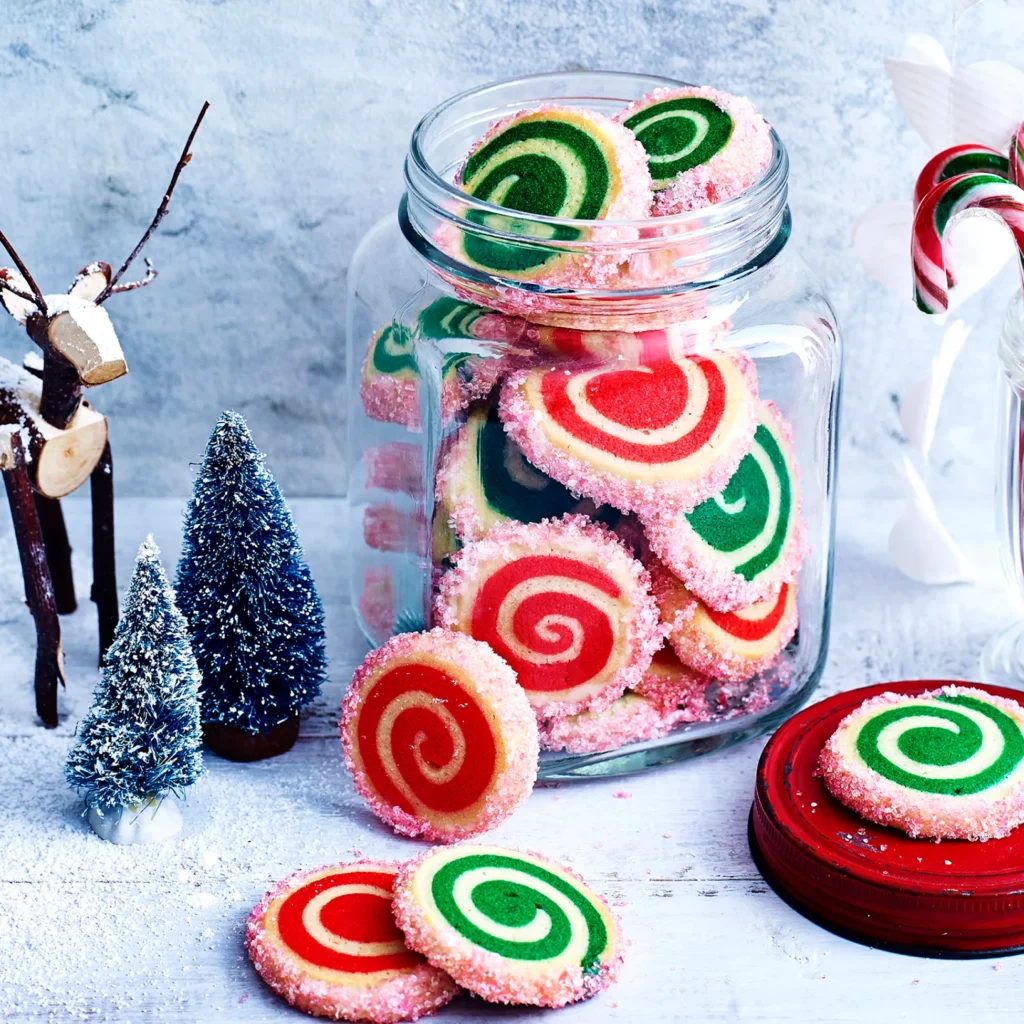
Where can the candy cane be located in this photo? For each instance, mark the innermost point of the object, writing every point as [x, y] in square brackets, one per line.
[939, 208]
[958, 160]
[1017, 157]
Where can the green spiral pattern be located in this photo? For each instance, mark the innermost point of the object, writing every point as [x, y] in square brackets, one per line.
[446, 317]
[749, 520]
[392, 350]
[549, 166]
[954, 745]
[679, 134]
[512, 893]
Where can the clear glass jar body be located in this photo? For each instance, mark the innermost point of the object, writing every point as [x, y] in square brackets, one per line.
[1002, 661]
[452, 300]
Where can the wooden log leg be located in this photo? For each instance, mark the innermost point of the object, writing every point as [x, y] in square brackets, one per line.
[58, 552]
[38, 586]
[104, 576]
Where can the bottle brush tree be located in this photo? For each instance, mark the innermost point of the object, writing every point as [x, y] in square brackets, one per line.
[256, 621]
[141, 739]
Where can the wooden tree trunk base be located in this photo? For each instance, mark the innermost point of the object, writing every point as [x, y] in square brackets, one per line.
[236, 744]
[58, 552]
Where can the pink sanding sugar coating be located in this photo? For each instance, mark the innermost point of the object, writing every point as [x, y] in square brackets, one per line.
[732, 170]
[573, 537]
[389, 528]
[920, 814]
[631, 719]
[395, 466]
[513, 747]
[388, 399]
[489, 975]
[707, 574]
[377, 599]
[403, 995]
[678, 690]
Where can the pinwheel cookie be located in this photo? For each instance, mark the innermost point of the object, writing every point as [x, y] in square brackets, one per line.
[737, 547]
[326, 941]
[564, 603]
[440, 740]
[655, 439]
[510, 927]
[948, 764]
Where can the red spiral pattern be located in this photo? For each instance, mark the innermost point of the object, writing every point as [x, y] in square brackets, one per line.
[649, 399]
[424, 740]
[343, 921]
[553, 619]
[749, 629]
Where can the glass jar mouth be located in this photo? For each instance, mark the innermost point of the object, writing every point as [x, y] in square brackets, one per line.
[723, 240]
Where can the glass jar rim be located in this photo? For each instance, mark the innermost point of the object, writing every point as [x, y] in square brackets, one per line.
[769, 186]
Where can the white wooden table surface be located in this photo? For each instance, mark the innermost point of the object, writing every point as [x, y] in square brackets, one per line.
[91, 931]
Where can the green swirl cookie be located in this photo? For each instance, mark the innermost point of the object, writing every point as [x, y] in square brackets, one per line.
[947, 764]
[509, 926]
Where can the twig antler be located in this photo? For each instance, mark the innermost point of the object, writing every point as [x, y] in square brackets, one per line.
[37, 295]
[129, 286]
[112, 286]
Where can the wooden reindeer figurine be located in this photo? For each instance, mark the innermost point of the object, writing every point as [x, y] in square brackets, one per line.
[52, 440]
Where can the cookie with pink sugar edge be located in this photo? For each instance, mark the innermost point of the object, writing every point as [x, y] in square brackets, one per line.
[717, 660]
[631, 719]
[649, 500]
[415, 993]
[706, 574]
[510, 715]
[486, 974]
[732, 170]
[388, 399]
[568, 534]
[676, 689]
[921, 815]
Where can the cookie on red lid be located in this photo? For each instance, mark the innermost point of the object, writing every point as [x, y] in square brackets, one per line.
[564, 603]
[327, 941]
[509, 926]
[948, 764]
[439, 738]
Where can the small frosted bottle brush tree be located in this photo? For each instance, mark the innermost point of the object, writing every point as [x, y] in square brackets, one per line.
[256, 620]
[141, 740]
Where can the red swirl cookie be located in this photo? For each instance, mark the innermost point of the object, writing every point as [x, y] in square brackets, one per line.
[564, 603]
[654, 438]
[731, 646]
[440, 740]
[327, 941]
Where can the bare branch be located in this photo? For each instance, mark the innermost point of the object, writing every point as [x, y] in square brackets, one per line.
[8, 287]
[37, 295]
[151, 275]
[160, 213]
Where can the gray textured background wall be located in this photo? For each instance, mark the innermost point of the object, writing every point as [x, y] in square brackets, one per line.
[313, 102]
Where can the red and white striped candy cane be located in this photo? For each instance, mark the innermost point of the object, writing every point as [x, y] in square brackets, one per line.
[1017, 157]
[938, 210]
[957, 160]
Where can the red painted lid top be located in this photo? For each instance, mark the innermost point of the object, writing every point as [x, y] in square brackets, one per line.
[953, 896]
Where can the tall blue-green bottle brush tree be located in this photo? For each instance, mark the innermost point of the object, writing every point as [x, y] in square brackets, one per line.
[256, 621]
[141, 739]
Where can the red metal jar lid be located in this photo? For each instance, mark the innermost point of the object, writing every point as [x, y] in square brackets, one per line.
[871, 883]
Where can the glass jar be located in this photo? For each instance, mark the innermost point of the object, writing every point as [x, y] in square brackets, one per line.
[1002, 661]
[454, 303]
